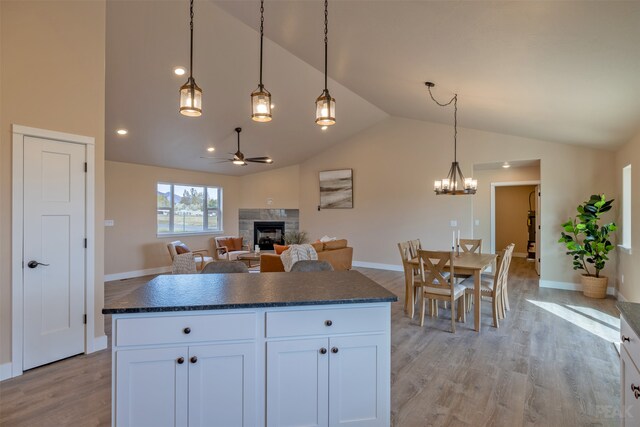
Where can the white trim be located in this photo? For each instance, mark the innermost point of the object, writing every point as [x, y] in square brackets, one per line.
[136, 273]
[493, 205]
[100, 343]
[627, 250]
[570, 286]
[390, 267]
[17, 238]
[5, 371]
[622, 297]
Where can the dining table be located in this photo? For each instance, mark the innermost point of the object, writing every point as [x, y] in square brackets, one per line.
[464, 263]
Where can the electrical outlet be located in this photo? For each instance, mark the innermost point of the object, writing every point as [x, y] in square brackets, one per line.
[109, 223]
[453, 223]
[477, 222]
[269, 201]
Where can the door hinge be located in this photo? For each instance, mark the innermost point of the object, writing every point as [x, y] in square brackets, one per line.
[85, 166]
[84, 319]
[85, 243]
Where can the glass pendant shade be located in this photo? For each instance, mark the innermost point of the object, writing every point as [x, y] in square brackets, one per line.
[325, 109]
[190, 99]
[261, 105]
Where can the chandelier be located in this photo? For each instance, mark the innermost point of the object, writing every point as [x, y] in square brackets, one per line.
[190, 93]
[325, 104]
[261, 98]
[455, 183]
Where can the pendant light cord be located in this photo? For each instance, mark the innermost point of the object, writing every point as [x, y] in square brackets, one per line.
[455, 120]
[191, 44]
[326, 40]
[261, 39]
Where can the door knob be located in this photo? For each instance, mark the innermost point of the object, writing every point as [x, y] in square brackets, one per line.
[34, 264]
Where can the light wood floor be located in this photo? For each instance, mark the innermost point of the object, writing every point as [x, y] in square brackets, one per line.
[538, 368]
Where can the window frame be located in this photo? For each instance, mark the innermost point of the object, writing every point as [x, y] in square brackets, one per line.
[205, 210]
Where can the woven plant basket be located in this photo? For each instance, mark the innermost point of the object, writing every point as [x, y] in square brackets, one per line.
[594, 287]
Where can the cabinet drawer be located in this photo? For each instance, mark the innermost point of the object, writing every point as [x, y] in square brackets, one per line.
[633, 345]
[173, 329]
[329, 321]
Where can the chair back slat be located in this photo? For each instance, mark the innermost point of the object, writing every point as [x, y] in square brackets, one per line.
[500, 279]
[433, 265]
[471, 245]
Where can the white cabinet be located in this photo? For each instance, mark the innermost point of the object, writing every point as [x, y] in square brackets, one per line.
[338, 380]
[204, 384]
[629, 375]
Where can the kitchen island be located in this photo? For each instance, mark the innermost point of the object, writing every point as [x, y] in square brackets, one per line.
[271, 349]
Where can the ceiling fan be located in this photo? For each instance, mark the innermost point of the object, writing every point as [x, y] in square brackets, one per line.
[239, 158]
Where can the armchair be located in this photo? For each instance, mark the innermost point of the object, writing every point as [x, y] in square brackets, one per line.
[229, 247]
[201, 256]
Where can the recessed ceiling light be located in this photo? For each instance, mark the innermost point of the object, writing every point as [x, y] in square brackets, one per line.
[211, 149]
[324, 127]
[122, 131]
[179, 71]
[506, 165]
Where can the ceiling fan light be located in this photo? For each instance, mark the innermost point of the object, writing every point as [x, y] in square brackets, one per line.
[261, 105]
[325, 109]
[190, 99]
[239, 162]
[269, 160]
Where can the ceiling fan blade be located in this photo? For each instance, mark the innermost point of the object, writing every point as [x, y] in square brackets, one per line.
[267, 160]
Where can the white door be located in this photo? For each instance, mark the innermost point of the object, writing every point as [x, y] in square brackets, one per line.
[297, 383]
[538, 229]
[358, 386]
[222, 385]
[53, 250]
[152, 387]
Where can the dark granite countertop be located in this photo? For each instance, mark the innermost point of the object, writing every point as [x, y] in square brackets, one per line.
[631, 313]
[226, 291]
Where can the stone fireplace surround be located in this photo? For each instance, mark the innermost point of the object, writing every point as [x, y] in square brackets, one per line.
[247, 217]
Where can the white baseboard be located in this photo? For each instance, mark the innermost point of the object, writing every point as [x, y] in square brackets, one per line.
[5, 371]
[622, 297]
[570, 286]
[136, 273]
[390, 267]
[100, 343]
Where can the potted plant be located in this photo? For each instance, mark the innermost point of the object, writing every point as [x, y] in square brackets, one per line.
[589, 243]
[295, 237]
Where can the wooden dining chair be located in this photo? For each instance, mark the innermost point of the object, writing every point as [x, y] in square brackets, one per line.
[492, 286]
[411, 272]
[505, 287]
[439, 283]
[471, 245]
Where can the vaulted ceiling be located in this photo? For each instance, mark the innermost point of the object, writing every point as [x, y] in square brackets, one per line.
[567, 72]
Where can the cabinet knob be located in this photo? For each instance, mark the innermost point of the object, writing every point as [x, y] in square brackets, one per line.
[180, 360]
[323, 350]
[328, 323]
[635, 388]
[193, 359]
[187, 330]
[334, 350]
[636, 394]
[625, 338]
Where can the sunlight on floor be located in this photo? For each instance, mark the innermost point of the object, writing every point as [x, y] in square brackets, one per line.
[598, 323]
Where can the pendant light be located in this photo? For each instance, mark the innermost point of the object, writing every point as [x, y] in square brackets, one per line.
[190, 93]
[455, 183]
[261, 98]
[325, 104]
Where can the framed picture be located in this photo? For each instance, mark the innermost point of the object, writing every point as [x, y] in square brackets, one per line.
[336, 189]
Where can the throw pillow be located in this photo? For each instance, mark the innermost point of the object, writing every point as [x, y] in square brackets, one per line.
[237, 243]
[228, 242]
[182, 249]
[318, 246]
[280, 248]
[335, 244]
[326, 238]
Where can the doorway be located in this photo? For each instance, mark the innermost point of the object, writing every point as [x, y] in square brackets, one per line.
[52, 247]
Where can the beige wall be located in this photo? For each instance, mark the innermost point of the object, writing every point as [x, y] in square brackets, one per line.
[394, 164]
[512, 209]
[132, 244]
[629, 263]
[280, 185]
[482, 200]
[50, 79]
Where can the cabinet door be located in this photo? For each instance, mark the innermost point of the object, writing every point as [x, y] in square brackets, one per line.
[629, 376]
[222, 388]
[359, 377]
[297, 383]
[151, 387]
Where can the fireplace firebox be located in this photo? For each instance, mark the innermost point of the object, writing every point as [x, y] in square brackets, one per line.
[268, 233]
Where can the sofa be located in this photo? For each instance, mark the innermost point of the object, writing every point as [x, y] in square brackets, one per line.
[229, 247]
[335, 252]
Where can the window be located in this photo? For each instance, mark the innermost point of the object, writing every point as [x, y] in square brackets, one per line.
[626, 207]
[188, 209]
